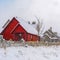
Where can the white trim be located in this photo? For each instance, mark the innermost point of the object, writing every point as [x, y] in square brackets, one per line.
[14, 28]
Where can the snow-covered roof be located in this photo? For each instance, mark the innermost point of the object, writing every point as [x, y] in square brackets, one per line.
[27, 26]
[1, 29]
[1, 25]
[51, 37]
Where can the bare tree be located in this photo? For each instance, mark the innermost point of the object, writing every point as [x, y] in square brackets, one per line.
[39, 27]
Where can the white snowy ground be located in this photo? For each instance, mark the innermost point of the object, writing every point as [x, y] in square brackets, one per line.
[30, 53]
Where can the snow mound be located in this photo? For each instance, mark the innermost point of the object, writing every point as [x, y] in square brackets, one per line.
[30, 53]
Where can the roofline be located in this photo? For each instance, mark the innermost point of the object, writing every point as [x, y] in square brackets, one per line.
[7, 25]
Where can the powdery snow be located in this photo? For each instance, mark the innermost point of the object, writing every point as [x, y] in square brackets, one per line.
[30, 53]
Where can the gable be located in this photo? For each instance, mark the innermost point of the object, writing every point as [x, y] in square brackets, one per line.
[18, 29]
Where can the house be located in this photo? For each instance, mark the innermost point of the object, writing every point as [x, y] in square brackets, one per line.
[18, 29]
[50, 36]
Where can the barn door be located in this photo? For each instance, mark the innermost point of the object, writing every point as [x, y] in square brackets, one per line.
[19, 36]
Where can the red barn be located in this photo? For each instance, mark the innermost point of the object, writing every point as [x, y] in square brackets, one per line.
[17, 28]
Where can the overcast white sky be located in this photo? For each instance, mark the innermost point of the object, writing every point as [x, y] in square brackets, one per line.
[46, 10]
